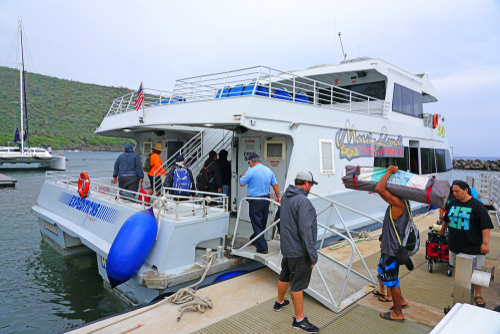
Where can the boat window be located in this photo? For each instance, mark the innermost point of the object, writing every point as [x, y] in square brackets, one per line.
[274, 150]
[326, 162]
[373, 89]
[402, 163]
[15, 150]
[429, 160]
[40, 151]
[407, 101]
[4, 150]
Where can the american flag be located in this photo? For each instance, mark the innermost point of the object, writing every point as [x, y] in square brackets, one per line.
[140, 98]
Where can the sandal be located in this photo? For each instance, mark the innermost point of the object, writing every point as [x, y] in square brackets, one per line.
[384, 300]
[387, 316]
[402, 306]
[479, 301]
[377, 293]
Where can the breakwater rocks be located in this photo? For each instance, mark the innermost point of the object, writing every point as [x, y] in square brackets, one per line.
[493, 165]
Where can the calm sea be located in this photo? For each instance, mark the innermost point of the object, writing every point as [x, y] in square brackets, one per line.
[41, 291]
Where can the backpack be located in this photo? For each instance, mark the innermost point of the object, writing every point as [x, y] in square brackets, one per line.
[411, 241]
[146, 166]
[181, 181]
[202, 181]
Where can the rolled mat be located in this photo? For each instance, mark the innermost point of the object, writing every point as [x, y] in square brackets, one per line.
[418, 188]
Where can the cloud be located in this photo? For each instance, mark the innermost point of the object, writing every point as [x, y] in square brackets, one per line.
[470, 79]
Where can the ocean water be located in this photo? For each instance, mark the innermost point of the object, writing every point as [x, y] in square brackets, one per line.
[41, 291]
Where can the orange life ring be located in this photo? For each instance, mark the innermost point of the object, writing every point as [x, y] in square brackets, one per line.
[435, 121]
[83, 185]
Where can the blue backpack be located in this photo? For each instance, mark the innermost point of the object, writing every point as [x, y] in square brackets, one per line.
[181, 181]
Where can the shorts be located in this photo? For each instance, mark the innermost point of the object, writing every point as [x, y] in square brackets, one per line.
[479, 260]
[157, 185]
[128, 183]
[296, 271]
[388, 271]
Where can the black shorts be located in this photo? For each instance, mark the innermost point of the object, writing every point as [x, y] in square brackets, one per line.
[297, 271]
[157, 185]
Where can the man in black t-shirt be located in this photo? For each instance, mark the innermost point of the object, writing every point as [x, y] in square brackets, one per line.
[469, 229]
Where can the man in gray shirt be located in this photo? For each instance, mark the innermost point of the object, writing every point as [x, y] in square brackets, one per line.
[298, 235]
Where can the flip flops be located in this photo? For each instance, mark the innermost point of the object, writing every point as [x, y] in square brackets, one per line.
[479, 298]
[377, 293]
[402, 306]
[387, 316]
[384, 300]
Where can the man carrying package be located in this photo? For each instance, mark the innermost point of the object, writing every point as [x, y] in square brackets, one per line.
[397, 217]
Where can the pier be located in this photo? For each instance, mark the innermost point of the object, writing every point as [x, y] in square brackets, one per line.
[244, 304]
[6, 181]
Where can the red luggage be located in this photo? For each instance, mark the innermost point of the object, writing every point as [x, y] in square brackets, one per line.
[437, 251]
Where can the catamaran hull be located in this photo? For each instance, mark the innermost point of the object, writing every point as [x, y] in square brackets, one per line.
[55, 163]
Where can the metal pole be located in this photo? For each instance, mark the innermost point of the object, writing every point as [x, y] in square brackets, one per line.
[350, 101]
[293, 88]
[269, 82]
[143, 102]
[257, 81]
[21, 135]
[196, 88]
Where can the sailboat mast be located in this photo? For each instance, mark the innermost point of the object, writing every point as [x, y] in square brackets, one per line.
[21, 81]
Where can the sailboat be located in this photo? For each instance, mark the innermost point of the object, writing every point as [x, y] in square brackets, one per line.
[24, 156]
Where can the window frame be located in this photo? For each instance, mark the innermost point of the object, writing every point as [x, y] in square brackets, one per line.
[283, 150]
[147, 143]
[412, 104]
[321, 169]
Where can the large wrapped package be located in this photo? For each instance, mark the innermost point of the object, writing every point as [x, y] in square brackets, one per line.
[423, 189]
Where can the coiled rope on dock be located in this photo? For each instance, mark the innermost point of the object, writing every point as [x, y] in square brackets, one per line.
[184, 295]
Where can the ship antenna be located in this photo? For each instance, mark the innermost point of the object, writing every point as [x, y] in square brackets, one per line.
[345, 54]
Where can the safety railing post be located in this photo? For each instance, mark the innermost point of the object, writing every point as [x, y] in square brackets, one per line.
[257, 81]
[270, 82]
[196, 88]
[368, 105]
[314, 93]
[293, 88]
[326, 286]
[130, 101]
[350, 101]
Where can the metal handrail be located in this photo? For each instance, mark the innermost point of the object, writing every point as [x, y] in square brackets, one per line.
[349, 240]
[126, 102]
[495, 193]
[127, 197]
[206, 87]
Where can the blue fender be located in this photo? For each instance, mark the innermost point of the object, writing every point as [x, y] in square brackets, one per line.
[131, 247]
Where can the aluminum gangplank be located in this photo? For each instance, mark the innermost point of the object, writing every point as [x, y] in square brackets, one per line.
[333, 284]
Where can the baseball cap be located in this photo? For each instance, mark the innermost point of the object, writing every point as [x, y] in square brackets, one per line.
[306, 176]
[254, 156]
[179, 158]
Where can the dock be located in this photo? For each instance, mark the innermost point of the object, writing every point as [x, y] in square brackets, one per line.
[6, 181]
[244, 304]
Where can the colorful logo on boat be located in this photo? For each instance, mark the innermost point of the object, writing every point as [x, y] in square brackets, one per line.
[441, 131]
[353, 145]
[91, 209]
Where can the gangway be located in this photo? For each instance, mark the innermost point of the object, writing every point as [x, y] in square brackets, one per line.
[332, 283]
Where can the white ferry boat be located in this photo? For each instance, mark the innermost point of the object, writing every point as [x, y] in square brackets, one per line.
[363, 112]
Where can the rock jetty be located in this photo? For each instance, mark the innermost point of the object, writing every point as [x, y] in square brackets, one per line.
[493, 165]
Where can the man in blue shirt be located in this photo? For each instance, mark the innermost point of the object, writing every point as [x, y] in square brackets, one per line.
[259, 178]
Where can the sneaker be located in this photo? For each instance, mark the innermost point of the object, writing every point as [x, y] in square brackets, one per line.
[305, 326]
[277, 306]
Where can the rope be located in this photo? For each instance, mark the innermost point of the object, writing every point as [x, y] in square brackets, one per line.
[195, 303]
[131, 328]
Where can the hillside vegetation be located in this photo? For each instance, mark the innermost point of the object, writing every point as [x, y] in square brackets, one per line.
[76, 108]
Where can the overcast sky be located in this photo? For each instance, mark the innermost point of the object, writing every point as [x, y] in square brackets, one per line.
[122, 43]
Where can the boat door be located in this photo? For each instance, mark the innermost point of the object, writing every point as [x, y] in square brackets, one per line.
[414, 157]
[172, 147]
[247, 146]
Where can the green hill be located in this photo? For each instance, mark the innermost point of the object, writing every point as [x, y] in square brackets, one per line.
[76, 108]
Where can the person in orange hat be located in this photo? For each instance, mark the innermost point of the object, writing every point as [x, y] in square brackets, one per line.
[156, 173]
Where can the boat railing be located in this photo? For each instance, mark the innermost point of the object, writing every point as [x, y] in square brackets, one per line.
[271, 83]
[181, 207]
[126, 102]
[326, 228]
[495, 192]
